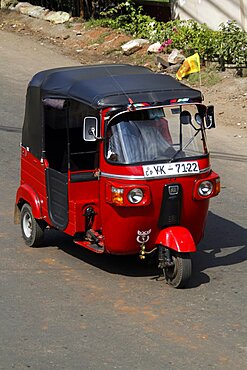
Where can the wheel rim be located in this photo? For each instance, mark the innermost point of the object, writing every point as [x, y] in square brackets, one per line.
[170, 272]
[27, 225]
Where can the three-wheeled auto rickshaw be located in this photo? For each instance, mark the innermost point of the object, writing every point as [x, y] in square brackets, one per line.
[116, 156]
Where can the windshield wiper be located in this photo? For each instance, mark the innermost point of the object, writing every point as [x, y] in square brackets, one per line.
[184, 147]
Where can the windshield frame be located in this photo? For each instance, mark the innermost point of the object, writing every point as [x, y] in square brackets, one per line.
[201, 129]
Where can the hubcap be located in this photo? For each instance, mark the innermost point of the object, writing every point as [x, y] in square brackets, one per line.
[171, 271]
[27, 225]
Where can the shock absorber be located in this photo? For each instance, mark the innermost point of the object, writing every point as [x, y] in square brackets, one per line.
[164, 257]
[89, 217]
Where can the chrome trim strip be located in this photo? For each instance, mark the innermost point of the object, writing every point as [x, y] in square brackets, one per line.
[205, 170]
[124, 177]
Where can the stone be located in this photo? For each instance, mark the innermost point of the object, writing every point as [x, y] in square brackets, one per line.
[162, 62]
[176, 57]
[154, 48]
[42, 13]
[57, 17]
[36, 12]
[22, 5]
[173, 68]
[5, 4]
[134, 45]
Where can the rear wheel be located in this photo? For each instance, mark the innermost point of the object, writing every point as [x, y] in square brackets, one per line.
[32, 230]
[179, 272]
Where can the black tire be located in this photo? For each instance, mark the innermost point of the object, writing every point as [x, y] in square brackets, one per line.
[32, 230]
[178, 274]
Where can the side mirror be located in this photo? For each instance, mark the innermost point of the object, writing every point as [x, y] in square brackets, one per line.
[210, 121]
[90, 129]
[185, 118]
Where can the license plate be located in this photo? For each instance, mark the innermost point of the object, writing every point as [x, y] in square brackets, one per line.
[170, 169]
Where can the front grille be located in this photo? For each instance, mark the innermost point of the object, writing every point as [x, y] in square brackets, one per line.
[171, 206]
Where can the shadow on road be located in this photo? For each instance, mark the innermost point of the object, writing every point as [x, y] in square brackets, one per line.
[229, 156]
[220, 235]
[10, 129]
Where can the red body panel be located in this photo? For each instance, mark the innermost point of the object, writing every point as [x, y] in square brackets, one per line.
[122, 225]
[82, 195]
[177, 238]
[33, 191]
[124, 228]
[33, 185]
[27, 194]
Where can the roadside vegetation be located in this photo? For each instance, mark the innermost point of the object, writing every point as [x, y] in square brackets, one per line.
[227, 45]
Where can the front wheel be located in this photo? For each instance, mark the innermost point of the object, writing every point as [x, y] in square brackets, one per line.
[179, 272]
[32, 230]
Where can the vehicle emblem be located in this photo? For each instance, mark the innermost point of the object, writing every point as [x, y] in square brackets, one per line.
[173, 189]
[143, 236]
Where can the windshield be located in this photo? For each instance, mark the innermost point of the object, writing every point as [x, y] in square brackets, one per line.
[156, 134]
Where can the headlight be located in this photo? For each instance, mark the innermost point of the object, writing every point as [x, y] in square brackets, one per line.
[205, 188]
[135, 196]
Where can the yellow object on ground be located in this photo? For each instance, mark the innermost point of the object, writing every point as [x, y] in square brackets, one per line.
[190, 65]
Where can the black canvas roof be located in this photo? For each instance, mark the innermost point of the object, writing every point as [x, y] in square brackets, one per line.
[97, 86]
[111, 85]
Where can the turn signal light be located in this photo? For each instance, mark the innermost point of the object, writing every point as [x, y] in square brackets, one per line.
[217, 186]
[127, 195]
[117, 196]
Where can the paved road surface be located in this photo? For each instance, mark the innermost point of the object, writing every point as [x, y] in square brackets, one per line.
[65, 308]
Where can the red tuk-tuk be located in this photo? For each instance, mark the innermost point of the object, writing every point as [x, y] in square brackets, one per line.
[116, 156]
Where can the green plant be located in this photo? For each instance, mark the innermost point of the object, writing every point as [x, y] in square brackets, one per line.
[232, 42]
[228, 44]
[129, 18]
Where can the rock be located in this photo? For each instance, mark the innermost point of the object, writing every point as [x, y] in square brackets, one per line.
[173, 68]
[5, 4]
[176, 57]
[133, 46]
[57, 17]
[42, 13]
[162, 62]
[36, 12]
[154, 48]
[32, 10]
[22, 5]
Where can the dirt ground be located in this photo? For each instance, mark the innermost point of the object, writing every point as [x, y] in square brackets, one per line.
[102, 45]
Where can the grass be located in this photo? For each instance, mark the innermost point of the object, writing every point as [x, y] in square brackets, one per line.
[101, 39]
[210, 76]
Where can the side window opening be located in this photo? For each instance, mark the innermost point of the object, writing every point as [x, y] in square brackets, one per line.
[83, 154]
[55, 117]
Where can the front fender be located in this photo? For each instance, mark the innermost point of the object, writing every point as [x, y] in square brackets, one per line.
[177, 238]
[27, 194]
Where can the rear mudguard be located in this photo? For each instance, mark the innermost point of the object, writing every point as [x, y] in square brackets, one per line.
[26, 194]
[177, 238]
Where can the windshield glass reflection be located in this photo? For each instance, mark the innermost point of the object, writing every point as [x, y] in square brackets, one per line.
[154, 135]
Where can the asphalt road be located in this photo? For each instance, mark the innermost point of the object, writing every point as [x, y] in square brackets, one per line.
[62, 307]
